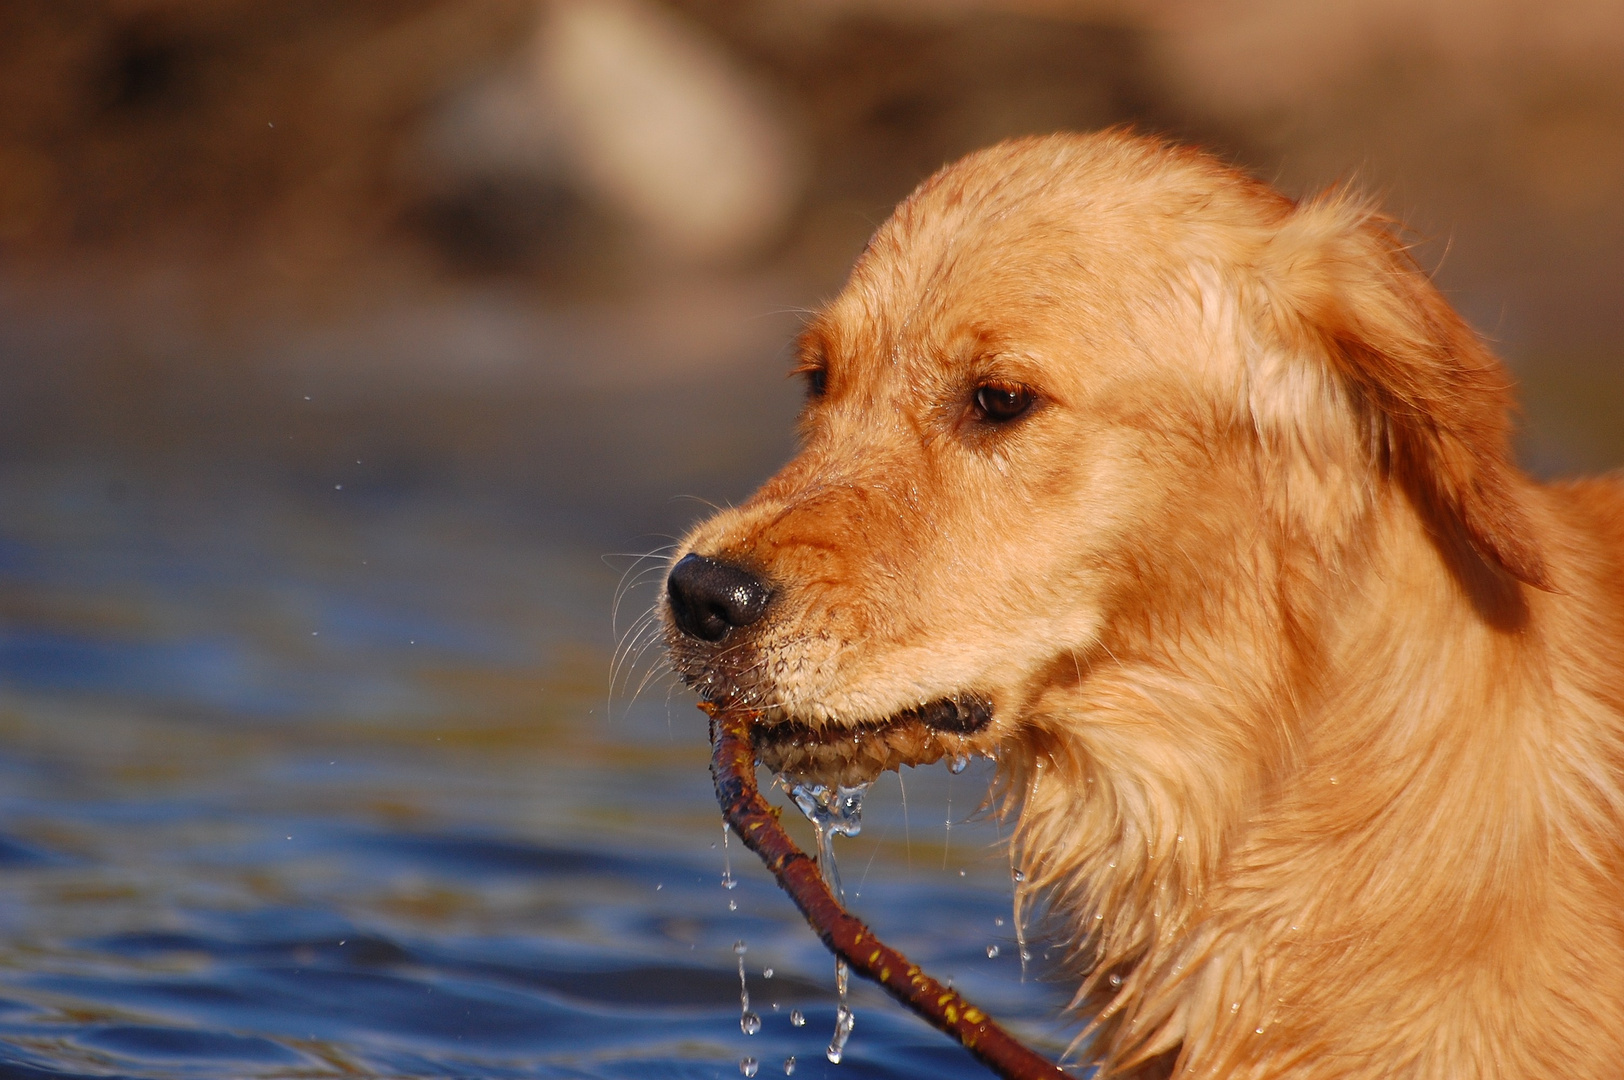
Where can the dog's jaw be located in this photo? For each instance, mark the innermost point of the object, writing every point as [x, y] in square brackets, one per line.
[920, 735]
[820, 743]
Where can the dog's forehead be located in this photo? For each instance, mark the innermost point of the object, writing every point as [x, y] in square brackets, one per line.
[943, 296]
[1002, 250]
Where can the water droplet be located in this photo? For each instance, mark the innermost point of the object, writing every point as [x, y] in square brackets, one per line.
[958, 764]
[1020, 875]
[749, 1022]
[1115, 981]
[727, 860]
[1234, 1006]
[766, 973]
[992, 952]
[733, 905]
[1259, 1031]
[748, 1066]
[796, 1019]
[844, 1022]
[789, 1066]
[999, 921]
[961, 873]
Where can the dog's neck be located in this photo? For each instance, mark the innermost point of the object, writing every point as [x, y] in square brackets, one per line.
[1177, 776]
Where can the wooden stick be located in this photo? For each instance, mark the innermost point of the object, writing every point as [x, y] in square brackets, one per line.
[753, 820]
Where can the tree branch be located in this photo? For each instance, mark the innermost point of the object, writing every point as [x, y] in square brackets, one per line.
[754, 821]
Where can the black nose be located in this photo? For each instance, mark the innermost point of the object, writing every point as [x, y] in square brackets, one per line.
[709, 598]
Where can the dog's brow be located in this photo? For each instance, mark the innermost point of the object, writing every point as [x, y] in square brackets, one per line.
[811, 345]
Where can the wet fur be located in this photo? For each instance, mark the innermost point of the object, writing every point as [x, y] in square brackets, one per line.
[1311, 702]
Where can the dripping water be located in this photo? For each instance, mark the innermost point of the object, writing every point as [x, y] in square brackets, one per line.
[845, 1020]
[831, 812]
[1018, 915]
[837, 811]
[727, 860]
[749, 1022]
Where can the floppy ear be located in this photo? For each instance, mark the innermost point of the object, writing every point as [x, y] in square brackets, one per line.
[1341, 284]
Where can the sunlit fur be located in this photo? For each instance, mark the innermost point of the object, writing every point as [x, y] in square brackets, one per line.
[1312, 704]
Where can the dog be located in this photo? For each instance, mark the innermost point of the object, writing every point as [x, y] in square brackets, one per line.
[1194, 506]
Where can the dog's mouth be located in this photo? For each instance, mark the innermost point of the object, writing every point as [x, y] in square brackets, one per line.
[833, 753]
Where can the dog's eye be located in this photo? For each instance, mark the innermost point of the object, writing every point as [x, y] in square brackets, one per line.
[1002, 402]
[816, 376]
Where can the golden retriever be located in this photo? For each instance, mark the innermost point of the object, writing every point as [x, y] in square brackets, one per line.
[1194, 507]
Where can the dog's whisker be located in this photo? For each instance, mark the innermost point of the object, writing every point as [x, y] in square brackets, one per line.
[645, 626]
[637, 563]
[648, 676]
[635, 663]
[630, 585]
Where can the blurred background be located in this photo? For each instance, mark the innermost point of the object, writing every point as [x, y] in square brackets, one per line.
[352, 352]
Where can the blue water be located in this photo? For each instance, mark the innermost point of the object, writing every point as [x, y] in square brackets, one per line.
[293, 786]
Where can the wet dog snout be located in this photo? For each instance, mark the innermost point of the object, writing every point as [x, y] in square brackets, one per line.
[709, 597]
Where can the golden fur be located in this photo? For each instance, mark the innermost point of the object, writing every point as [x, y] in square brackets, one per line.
[1311, 702]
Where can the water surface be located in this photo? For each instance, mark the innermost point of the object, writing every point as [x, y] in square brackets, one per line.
[304, 783]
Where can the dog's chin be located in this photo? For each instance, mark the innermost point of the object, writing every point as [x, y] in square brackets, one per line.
[833, 752]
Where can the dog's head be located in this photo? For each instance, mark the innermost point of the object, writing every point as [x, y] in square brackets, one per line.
[1086, 411]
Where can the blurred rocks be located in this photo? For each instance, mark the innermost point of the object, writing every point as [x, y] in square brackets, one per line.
[662, 123]
[628, 110]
